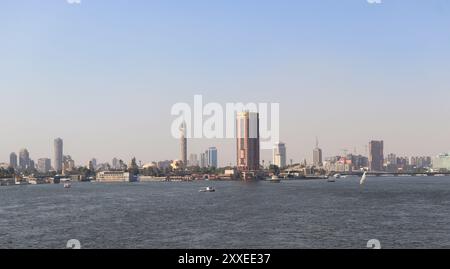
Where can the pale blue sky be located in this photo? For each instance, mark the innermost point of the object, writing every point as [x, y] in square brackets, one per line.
[104, 74]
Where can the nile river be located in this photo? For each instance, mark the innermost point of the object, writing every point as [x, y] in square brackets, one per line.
[403, 212]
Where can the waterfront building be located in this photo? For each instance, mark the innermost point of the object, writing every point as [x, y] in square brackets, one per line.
[442, 162]
[90, 166]
[203, 160]
[212, 157]
[183, 140]
[391, 159]
[31, 164]
[94, 163]
[115, 164]
[402, 164]
[317, 155]
[279, 155]
[390, 163]
[24, 159]
[193, 160]
[114, 176]
[248, 147]
[58, 150]
[68, 163]
[164, 164]
[44, 165]
[376, 155]
[421, 162]
[13, 160]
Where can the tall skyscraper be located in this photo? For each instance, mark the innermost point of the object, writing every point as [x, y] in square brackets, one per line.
[279, 155]
[212, 157]
[183, 141]
[247, 133]
[58, 149]
[376, 155]
[13, 160]
[44, 165]
[24, 159]
[317, 155]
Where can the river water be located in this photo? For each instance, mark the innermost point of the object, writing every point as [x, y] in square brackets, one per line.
[403, 212]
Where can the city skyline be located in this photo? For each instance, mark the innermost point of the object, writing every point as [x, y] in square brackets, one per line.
[23, 159]
[109, 81]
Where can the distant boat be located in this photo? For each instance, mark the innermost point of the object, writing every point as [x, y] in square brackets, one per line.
[207, 189]
[275, 179]
[363, 178]
[337, 176]
[67, 185]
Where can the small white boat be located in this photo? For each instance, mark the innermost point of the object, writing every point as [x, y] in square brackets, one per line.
[363, 179]
[67, 185]
[207, 189]
[275, 179]
[337, 176]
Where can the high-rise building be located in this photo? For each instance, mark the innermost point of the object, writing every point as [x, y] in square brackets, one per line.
[58, 150]
[31, 164]
[442, 163]
[115, 164]
[203, 160]
[13, 160]
[279, 155]
[212, 157]
[193, 160]
[317, 155]
[183, 141]
[24, 159]
[44, 165]
[421, 162]
[248, 148]
[376, 155]
[94, 163]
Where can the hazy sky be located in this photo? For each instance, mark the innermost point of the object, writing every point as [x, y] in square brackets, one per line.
[104, 74]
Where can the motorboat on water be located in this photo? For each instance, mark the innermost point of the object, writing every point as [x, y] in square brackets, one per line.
[67, 185]
[275, 179]
[337, 176]
[207, 189]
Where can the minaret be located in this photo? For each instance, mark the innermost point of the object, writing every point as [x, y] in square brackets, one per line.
[183, 144]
